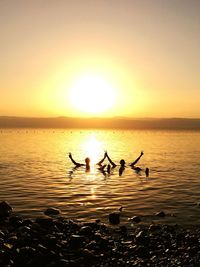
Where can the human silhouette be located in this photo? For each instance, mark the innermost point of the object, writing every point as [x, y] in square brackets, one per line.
[108, 168]
[77, 164]
[135, 161]
[147, 172]
[122, 166]
[123, 163]
[87, 162]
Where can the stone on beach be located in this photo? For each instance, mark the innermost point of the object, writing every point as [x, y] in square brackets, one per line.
[160, 214]
[52, 211]
[52, 242]
[135, 219]
[114, 218]
[5, 209]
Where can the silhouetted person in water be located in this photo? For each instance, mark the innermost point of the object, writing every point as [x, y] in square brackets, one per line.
[87, 163]
[77, 164]
[147, 172]
[123, 163]
[108, 168]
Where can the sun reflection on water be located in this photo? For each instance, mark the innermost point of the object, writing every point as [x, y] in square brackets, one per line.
[93, 149]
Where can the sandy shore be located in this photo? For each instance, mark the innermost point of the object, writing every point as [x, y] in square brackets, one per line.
[57, 241]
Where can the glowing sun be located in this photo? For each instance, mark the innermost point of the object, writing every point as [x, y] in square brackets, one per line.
[91, 93]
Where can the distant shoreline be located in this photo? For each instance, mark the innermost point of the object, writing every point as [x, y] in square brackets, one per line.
[100, 123]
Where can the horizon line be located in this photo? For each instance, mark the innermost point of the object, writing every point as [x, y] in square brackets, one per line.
[93, 117]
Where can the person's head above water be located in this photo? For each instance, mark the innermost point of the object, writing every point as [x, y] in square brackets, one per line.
[87, 161]
[122, 162]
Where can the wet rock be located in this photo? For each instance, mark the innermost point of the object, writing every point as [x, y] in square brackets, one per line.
[141, 251]
[86, 230]
[23, 229]
[12, 240]
[93, 225]
[76, 241]
[7, 246]
[123, 229]
[154, 227]
[160, 214]
[41, 248]
[114, 218]
[135, 219]
[15, 221]
[64, 262]
[52, 212]
[5, 209]
[27, 222]
[24, 254]
[45, 222]
[142, 237]
[88, 256]
[2, 234]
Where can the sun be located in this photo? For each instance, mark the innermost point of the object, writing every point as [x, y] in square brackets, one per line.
[91, 93]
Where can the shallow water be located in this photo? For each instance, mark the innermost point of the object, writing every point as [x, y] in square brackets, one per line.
[36, 173]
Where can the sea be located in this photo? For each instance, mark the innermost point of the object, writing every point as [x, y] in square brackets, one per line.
[36, 173]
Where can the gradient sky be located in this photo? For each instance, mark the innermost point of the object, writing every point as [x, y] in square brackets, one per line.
[147, 50]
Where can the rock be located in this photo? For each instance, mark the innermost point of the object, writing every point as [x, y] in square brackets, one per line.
[5, 209]
[15, 221]
[27, 222]
[45, 222]
[88, 256]
[12, 240]
[123, 229]
[135, 219]
[76, 241]
[52, 212]
[154, 227]
[160, 214]
[24, 254]
[86, 230]
[114, 218]
[2, 234]
[142, 237]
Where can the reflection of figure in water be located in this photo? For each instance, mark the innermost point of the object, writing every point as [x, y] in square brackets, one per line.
[87, 163]
[123, 163]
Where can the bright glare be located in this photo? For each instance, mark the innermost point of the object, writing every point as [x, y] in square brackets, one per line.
[92, 147]
[92, 94]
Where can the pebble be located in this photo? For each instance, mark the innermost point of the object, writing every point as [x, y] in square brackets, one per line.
[135, 219]
[5, 209]
[160, 214]
[114, 218]
[52, 212]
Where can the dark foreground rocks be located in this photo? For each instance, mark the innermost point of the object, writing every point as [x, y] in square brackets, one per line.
[61, 242]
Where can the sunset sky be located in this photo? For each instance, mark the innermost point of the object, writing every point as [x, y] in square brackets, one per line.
[134, 58]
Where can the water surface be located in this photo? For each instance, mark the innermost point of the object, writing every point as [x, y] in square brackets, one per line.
[36, 173]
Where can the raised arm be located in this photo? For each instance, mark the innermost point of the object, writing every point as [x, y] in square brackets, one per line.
[75, 163]
[134, 162]
[102, 160]
[109, 159]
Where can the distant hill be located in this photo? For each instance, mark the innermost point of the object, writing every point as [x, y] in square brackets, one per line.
[100, 123]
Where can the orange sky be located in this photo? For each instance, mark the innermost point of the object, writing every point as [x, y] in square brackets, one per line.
[145, 53]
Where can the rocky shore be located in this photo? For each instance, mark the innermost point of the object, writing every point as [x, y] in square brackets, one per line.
[55, 241]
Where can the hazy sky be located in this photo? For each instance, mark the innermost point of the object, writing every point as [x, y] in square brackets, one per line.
[146, 51]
